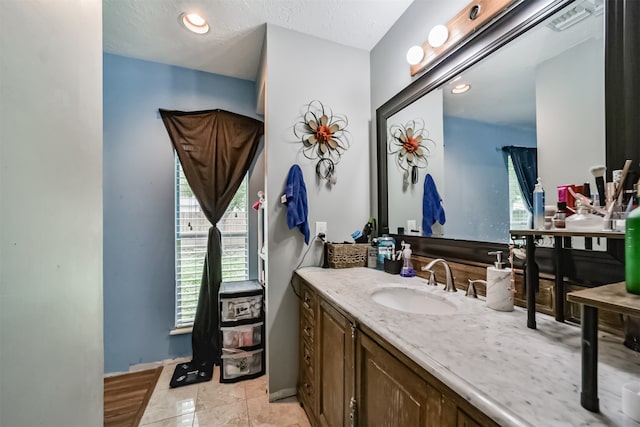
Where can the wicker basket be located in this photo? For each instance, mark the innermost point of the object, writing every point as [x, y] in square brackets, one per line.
[345, 255]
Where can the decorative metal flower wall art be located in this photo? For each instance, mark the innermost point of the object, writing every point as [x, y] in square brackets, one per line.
[323, 134]
[409, 143]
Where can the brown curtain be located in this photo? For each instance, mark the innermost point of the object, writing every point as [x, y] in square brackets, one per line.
[215, 149]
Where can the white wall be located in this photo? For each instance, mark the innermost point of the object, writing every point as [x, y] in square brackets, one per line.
[301, 68]
[389, 68]
[51, 352]
[570, 117]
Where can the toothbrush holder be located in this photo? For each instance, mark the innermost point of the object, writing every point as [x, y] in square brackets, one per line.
[392, 266]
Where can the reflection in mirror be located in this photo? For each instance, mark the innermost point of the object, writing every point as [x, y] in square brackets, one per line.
[545, 90]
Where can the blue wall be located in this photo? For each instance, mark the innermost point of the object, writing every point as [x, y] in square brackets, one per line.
[139, 201]
[477, 179]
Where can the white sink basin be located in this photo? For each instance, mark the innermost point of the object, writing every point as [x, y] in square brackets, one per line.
[413, 301]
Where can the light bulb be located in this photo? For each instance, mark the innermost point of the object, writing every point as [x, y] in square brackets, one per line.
[194, 22]
[415, 54]
[461, 88]
[438, 35]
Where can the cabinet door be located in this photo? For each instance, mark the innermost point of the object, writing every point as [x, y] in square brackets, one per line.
[391, 394]
[336, 348]
[465, 420]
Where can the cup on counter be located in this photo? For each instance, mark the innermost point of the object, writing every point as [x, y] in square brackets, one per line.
[550, 210]
[631, 400]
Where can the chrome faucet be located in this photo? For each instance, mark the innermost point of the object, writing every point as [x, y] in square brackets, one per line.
[471, 289]
[450, 285]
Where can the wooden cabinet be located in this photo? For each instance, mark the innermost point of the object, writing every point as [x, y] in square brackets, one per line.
[349, 376]
[327, 359]
[336, 350]
[390, 393]
[307, 372]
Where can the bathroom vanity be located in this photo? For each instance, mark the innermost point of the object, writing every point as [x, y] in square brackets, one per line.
[457, 363]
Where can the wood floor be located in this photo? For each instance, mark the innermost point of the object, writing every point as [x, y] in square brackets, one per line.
[126, 397]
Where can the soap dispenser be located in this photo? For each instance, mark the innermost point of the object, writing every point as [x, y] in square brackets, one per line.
[407, 268]
[499, 290]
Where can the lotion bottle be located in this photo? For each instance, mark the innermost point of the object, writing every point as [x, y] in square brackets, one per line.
[538, 206]
[499, 292]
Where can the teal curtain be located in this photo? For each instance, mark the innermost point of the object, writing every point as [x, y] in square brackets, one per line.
[525, 164]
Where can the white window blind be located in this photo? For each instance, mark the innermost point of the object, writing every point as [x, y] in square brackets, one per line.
[192, 230]
[519, 215]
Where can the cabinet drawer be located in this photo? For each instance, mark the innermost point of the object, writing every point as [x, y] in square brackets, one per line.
[307, 360]
[308, 302]
[307, 330]
[306, 391]
[242, 336]
[237, 364]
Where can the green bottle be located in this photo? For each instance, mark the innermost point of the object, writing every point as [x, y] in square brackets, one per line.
[632, 249]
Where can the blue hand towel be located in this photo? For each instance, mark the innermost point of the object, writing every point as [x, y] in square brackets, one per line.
[296, 194]
[432, 209]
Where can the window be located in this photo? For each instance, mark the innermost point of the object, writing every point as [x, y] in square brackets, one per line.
[519, 215]
[192, 230]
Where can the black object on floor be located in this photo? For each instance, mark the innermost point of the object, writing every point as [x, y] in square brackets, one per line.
[191, 373]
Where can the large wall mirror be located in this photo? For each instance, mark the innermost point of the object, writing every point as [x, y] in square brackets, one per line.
[536, 79]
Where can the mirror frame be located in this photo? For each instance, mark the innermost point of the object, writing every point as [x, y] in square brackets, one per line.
[622, 100]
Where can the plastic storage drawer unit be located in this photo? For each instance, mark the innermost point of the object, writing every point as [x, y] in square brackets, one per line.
[242, 336]
[240, 302]
[241, 330]
[241, 365]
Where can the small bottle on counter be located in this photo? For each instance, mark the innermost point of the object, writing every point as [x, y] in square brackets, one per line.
[372, 253]
[632, 249]
[538, 206]
[386, 249]
[561, 215]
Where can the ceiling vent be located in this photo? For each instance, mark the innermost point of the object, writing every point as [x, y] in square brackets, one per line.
[569, 18]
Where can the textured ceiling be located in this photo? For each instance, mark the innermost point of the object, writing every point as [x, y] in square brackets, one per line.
[150, 29]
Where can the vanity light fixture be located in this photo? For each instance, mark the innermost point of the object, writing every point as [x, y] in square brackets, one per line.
[438, 35]
[415, 55]
[472, 19]
[194, 22]
[461, 88]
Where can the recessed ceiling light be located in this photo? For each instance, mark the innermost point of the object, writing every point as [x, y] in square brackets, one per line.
[438, 35]
[461, 88]
[194, 22]
[415, 54]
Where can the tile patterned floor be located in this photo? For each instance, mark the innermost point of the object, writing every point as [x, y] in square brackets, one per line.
[211, 404]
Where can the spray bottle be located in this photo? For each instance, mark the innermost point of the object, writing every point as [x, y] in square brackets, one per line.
[538, 206]
[407, 268]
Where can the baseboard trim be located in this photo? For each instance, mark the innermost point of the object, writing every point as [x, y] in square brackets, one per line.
[282, 394]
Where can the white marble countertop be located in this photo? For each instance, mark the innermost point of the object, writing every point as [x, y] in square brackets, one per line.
[516, 375]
